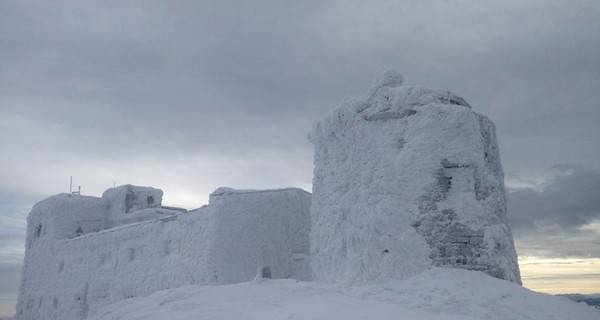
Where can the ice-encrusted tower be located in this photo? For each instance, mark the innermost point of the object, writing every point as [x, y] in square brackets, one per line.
[407, 178]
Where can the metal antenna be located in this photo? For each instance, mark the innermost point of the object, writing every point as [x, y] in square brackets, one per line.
[71, 188]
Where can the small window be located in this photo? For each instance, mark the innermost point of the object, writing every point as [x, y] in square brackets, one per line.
[266, 272]
[150, 200]
[38, 231]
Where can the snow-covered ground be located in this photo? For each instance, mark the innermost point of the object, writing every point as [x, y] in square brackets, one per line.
[438, 293]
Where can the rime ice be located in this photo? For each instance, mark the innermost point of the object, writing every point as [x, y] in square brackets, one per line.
[86, 252]
[405, 179]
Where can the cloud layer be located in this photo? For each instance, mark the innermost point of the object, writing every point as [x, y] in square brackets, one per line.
[570, 199]
[104, 84]
[559, 217]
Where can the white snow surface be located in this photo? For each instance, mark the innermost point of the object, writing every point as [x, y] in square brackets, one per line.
[439, 293]
[406, 178]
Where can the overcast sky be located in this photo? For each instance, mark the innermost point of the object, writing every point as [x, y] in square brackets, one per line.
[189, 96]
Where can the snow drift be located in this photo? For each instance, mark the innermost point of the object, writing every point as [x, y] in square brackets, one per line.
[439, 293]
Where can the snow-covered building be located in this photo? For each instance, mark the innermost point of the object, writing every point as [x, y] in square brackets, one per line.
[405, 178]
[85, 252]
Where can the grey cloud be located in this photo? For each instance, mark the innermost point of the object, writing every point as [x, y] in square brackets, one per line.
[569, 199]
[566, 277]
[179, 72]
[10, 277]
[194, 95]
[551, 242]
[558, 218]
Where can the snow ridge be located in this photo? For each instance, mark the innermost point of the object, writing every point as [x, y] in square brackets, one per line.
[436, 294]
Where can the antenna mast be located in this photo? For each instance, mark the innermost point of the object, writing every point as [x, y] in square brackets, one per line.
[71, 188]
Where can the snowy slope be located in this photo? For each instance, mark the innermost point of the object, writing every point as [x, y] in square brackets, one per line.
[438, 293]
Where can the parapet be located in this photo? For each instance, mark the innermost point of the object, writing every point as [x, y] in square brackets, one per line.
[66, 216]
[129, 198]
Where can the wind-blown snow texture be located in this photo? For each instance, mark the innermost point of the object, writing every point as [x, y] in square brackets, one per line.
[404, 179]
[439, 293]
[71, 269]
